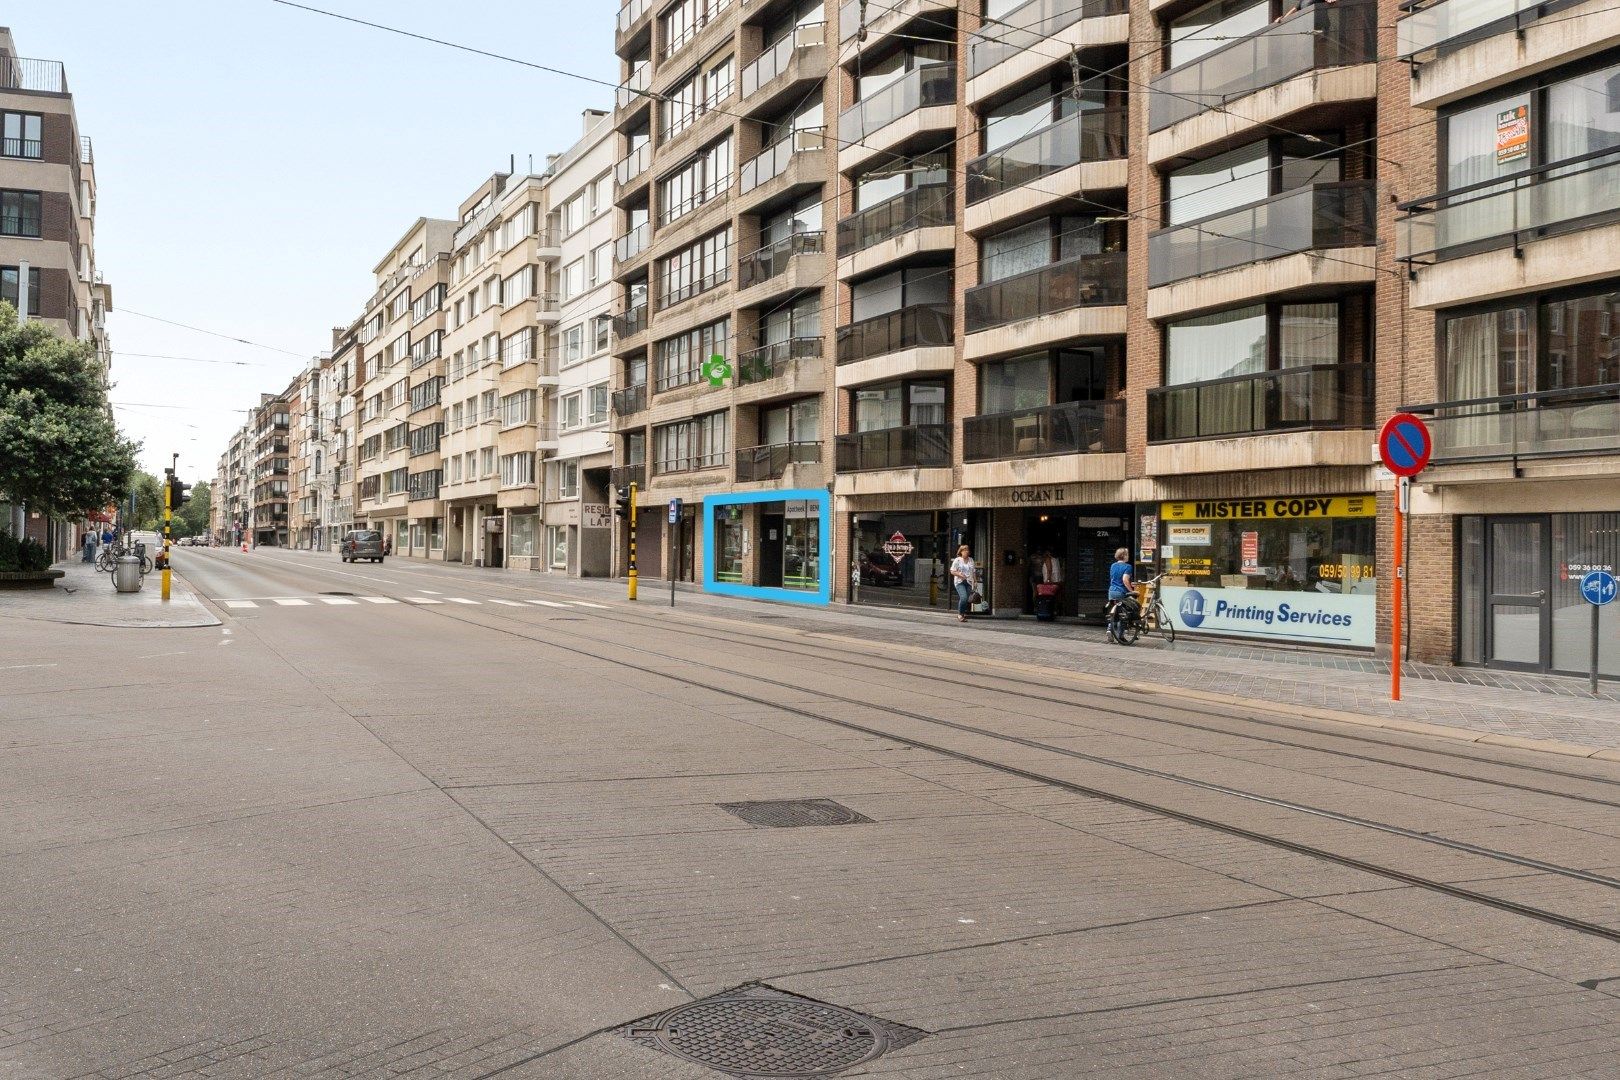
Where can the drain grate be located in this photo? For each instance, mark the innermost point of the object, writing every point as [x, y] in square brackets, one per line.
[794, 813]
[759, 1031]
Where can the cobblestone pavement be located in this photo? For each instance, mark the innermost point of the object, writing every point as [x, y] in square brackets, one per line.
[477, 839]
[85, 596]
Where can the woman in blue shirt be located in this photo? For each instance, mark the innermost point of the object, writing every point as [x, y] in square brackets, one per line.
[1121, 586]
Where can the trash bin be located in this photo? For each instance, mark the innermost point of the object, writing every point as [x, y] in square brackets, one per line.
[1046, 596]
[127, 573]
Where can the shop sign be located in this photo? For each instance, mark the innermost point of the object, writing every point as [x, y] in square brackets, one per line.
[1192, 566]
[1038, 496]
[1251, 552]
[799, 508]
[1318, 618]
[1191, 535]
[1513, 134]
[595, 516]
[1301, 506]
[897, 546]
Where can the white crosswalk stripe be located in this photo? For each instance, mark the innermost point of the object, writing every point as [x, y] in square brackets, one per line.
[337, 601]
[423, 600]
[459, 600]
[505, 603]
[379, 599]
[548, 603]
[291, 601]
[587, 603]
[239, 603]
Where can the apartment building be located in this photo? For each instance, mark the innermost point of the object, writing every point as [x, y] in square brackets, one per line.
[270, 471]
[723, 399]
[399, 369]
[319, 450]
[340, 417]
[1507, 125]
[230, 508]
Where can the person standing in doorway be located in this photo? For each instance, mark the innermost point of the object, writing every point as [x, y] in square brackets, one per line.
[965, 576]
[1121, 587]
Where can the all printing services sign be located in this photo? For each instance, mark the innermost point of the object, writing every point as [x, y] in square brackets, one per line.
[1311, 617]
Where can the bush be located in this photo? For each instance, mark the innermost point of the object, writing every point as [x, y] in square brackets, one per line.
[25, 555]
[8, 553]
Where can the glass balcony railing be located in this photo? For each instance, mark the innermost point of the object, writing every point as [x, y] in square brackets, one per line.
[921, 88]
[1322, 36]
[633, 164]
[1083, 281]
[630, 323]
[922, 446]
[919, 208]
[779, 57]
[774, 259]
[771, 462]
[1530, 206]
[1074, 427]
[631, 13]
[630, 400]
[634, 89]
[909, 328]
[1024, 28]
[632, 243]
[1320, 397]
[774, 160]
[774, 360]
[1457, 22]
[1578, 421]
[1317, 217]
[1093, 135]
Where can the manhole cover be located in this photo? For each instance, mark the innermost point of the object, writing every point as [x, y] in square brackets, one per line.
[793, 813]
[756, 1031]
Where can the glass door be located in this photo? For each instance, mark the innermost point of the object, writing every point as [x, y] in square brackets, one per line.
[1517, 630]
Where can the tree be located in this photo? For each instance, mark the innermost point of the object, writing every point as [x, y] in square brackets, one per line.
[60, 452]
[148, 502]
[192, 518]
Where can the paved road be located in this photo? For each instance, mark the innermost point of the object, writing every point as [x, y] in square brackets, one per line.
[408, 820]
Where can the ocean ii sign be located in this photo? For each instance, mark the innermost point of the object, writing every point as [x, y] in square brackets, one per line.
[1313, 617]
[1037, 496]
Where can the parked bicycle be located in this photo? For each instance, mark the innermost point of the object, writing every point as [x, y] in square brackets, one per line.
[1129, 619]
[111, 553]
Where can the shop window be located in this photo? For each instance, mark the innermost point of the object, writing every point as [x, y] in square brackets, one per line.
[520, 536]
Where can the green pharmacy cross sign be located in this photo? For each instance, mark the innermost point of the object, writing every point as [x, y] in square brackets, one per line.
[716, 370]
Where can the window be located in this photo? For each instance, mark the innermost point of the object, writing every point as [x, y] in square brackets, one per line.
[492, 292]
[517, 348]
[797, 422]
[573, 279]
[703, 178]
[699, 443]
[1527, 346]
[1249, 340]
[396, 482]
[572, 344]
[602, 264]
[517, 408]
[517, 469]
[399, 349]
[597, 400]
[695, 269]
[427, 303]
[371, 447]
[602, 194]
[573, 214]
[9, 280]
[396, 438]
[20, 135]
[568, 411]
[399, 305]
[680, 358]
[557, 546]
[521, 530]
[1250, 174]
[900, 404]
[1040, 243]
[425, 439]
[490, 398]
[19, 213]
[425, 394]
[518, 286]
[1213, 25]
[603, 334]
[395, 395]
[426, 349]
[518, 226]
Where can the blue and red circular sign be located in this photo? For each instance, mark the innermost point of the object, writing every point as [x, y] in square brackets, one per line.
[1405, 444]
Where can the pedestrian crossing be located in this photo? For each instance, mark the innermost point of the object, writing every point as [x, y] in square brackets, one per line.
[258, 602]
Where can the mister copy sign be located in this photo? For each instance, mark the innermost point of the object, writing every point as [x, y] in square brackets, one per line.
[1311, 617]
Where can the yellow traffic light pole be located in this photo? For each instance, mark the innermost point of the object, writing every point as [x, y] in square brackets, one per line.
[168, 514]
[632, 541]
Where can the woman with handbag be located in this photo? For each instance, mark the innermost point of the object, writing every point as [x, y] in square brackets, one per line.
[965, 576]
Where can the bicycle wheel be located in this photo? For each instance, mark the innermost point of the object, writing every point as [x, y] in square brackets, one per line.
[146, 565]
[104, 562]
[1161, 621]
[1128, 630]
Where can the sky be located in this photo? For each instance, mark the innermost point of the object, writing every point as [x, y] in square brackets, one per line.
[255, 161]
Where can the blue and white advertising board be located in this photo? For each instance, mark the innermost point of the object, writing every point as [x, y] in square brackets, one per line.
[1315, 618]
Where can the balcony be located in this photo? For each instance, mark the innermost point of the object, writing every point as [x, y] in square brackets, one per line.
[687, 463]
[919, 208]
[922, 88]
[774, 259]
[786, 58]
[1093, 135]
[773, 363]
[922, 446]
[1575, 422]
[1075, 427]
[757, 463]
[882, 18]
[633, 164]
[38, 76]
[1025, 28]
[1084, 281]
[922, 326]
[630, 323]
[1322, 397]
[1320, 37]
[632, 19]
[630, 400]
[1459, 47]
[633, 243]
[633, 91]
[622, 476]
[779, 157]
[1314, 218]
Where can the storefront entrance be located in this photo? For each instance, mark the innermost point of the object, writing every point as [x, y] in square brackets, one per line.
[903, 559]
[1073, 548]
[1519, 599]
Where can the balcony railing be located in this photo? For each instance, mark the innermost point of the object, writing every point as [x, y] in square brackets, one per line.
[1312, 218]
[773, 361]
[774, 259]
[924, 446]
[1575, 422]
[684, 463]
[622, 476]
[1531, 205]
[1320, 397]
[1084, 281]
[634, 88]
[22, 148]
[41, 76]
[630, 13]
[776, 59]
[933, 84]
[633, 164]
[771, 462]
[1322, 36]
[1024, 28]
[630, 400]
[916, 208]
[774, 160]
[1457, 22]
[1093, 135]
[631, 322]
[1074, 427]
[909, 328]
[632, 243]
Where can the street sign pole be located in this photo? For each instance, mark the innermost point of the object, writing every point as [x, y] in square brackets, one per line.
[1596, 611]
[1404, 444]
[1597, 589]
[675, 552]
[1399, 587]
[678, 531]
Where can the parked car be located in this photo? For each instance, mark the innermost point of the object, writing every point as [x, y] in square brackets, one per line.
[361, 544]
[878, 569]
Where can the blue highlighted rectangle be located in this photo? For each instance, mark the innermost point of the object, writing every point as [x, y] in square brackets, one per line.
[822, 499]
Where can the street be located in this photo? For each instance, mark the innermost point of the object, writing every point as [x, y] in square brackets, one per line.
[415, 820]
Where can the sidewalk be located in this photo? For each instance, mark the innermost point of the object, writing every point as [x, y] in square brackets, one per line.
[86, 597]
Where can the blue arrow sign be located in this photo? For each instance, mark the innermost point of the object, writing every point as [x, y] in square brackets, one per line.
[1598, 587]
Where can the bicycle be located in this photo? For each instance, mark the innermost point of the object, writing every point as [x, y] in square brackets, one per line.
[1127, 624]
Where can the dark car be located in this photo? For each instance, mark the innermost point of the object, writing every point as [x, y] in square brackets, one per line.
[361, 544]
[879, 569]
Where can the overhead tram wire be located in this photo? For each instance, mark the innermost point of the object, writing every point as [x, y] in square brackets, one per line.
[212, 333]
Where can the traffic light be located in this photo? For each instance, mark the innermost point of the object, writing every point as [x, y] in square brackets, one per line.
[621, 501]
[179, 494]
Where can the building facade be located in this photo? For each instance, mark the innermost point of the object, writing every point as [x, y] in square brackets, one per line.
[271, 470]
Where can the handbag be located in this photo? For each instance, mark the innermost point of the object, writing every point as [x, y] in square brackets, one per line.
[975, 599]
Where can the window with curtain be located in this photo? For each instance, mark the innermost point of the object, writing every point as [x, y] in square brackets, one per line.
[1010, 385]
[1235, 178]
[1215, 346]
[1208, 28]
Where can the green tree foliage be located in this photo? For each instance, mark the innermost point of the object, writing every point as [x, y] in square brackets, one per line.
[192, 520]
[60, 452]
[148, 502]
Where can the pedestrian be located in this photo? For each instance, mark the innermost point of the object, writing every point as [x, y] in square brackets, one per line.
[388, 545]
[90, 545]
[965, 576]
[1121, 587]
